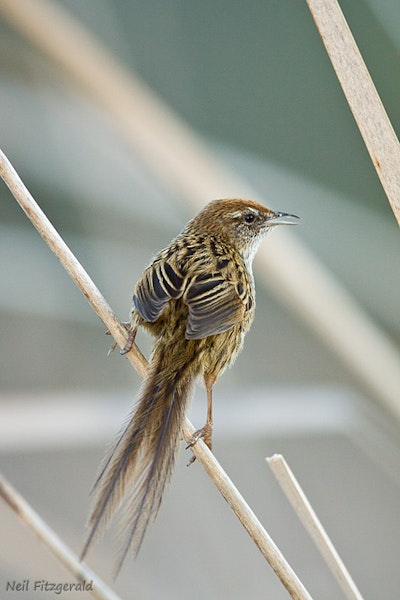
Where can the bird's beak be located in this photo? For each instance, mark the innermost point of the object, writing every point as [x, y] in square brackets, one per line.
[281, 218]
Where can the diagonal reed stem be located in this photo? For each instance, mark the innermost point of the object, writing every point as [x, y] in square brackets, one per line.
[361, 95]
[70, 263]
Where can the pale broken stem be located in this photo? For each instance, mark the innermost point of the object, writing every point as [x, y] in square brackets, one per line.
[98, 589]
[364, 101]
[245, 515]
[306, 514]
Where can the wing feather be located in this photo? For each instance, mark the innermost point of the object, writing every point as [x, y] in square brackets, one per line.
[159, 283]
[214, 306]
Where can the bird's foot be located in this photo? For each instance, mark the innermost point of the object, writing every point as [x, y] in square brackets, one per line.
[129, 342]
[131, 337]
[205, 433]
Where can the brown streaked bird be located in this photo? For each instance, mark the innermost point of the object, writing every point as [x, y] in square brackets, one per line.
[197, 299]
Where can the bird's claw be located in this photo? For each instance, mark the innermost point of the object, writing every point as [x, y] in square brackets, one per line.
[131, 338]
[129, 342]
[205, 433]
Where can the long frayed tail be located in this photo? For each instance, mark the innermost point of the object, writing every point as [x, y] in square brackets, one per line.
[136, 471]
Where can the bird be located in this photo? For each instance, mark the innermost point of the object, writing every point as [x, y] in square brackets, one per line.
[197, 299]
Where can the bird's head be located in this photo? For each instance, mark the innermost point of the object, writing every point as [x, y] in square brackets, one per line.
[241, 223]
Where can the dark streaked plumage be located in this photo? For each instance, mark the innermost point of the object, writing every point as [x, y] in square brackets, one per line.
[197, 299]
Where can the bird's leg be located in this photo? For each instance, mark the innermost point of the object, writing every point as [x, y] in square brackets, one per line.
[206, 431]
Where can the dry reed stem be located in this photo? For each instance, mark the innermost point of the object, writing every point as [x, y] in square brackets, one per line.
[364, 101]
[306, 514]
[176, 156]
[239, 506]
[31, 519]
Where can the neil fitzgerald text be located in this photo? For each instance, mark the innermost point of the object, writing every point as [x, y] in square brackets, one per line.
[41, 585]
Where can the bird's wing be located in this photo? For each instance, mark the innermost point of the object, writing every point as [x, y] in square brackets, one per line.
[160, 282]
[215, 305]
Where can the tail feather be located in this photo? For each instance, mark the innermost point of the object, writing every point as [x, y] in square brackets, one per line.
[141, 462]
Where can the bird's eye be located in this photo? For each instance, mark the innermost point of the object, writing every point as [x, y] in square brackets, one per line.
[249, 217]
